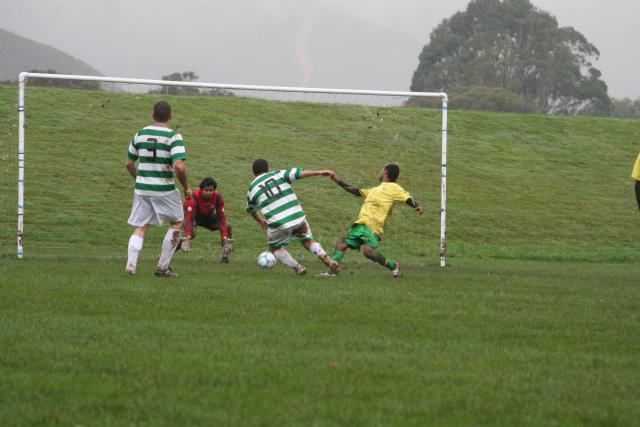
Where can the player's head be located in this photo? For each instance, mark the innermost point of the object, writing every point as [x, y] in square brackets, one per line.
[390, 173]
[208, 187]
[162, 112]
[260, 166]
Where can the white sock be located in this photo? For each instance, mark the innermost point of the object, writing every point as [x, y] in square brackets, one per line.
[135, 246]
[317, 250]
[169, 245]
[285, 257]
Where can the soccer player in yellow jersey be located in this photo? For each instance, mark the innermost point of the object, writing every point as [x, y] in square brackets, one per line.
[635, 174]
[378, 204]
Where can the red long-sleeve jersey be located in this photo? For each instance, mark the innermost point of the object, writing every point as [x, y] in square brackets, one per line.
[197, 206]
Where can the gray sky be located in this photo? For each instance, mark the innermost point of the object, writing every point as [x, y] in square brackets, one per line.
[364, 44]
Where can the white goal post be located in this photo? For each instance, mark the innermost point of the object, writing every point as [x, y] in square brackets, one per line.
[24, 76]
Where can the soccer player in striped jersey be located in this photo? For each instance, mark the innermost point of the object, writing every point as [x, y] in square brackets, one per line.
[160, 154]
[376, 209]
[273, 204]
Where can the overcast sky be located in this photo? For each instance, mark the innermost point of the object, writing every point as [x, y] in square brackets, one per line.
[364, 44]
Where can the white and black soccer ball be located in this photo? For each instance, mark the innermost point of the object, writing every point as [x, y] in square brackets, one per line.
[266, 260]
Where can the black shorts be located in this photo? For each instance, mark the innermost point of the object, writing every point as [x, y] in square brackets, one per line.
[210, 222]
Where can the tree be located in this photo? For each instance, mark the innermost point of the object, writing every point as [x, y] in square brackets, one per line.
[512, 45]
[188, 76]
[625, 108]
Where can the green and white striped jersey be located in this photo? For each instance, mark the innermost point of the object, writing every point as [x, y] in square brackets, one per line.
[157, 148]
[272, 195]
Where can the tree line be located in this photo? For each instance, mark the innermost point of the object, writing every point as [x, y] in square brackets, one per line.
[186, 76]
[497, 55]
[507, 55]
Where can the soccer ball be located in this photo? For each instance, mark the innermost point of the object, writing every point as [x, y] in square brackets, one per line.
[266, 261]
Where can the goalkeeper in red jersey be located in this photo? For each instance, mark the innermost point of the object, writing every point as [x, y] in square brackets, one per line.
[376, 209]
[206, 209]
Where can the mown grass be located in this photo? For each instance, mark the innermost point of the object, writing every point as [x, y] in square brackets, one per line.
[483, 343]
[520, 186]
[534, 322]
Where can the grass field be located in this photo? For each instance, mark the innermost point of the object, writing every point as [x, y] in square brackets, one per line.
[534, 322]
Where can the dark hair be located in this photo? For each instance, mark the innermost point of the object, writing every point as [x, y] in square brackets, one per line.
[393, 172]
[260, 166]
[162, 111]
[208, 182]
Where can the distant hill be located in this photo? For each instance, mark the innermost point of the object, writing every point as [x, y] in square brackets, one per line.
[22, 54]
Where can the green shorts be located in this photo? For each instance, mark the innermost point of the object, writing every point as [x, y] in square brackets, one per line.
[360, 234]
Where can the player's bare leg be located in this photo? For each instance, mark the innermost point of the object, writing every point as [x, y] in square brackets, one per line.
[135, 246]
[378, 257]
[285, 257]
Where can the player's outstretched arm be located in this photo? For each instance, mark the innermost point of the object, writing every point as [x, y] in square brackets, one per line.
[348, 188]
[415, 205]
[309, 172]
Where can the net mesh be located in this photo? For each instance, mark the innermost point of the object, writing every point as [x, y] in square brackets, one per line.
[78, 194]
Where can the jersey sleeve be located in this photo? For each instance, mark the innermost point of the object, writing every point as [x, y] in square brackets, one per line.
[364, 192]
[133, 151]
[400, 195]
[291, 175]
[177, 148]
[190, 207]
[222, 217]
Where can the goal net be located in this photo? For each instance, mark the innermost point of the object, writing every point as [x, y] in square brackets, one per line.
[67, 148]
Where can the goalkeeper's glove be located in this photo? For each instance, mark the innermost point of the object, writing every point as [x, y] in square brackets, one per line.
[185, 245]
[227, 248]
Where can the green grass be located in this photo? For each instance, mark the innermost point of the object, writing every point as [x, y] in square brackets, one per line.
[483, 343]
[534, 322]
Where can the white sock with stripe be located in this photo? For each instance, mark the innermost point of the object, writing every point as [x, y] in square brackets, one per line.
[135, 246]
[285, 257]
[169, 245]
[317, 250]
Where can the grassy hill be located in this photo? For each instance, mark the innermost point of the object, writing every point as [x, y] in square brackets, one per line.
[22, 54]
[520, 186]
[534, 322]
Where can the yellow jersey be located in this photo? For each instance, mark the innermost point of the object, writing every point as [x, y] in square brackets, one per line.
[378, 205]
[635, 174]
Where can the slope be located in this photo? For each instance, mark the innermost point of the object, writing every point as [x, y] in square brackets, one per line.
[520, 186]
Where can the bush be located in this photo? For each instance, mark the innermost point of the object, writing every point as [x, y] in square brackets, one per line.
[481, 98]
[625, 108]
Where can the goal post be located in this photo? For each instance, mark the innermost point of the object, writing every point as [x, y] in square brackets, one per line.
[294, 93]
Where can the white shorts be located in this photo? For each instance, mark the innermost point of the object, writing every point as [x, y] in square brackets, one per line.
[281, 237]
[156, 210]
